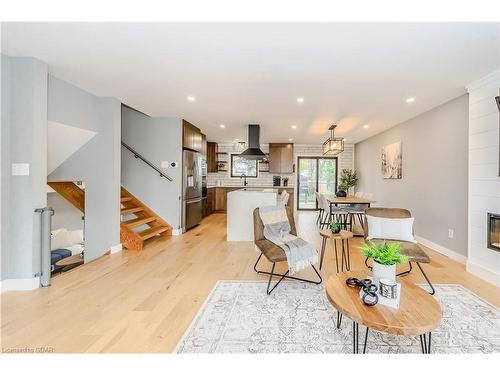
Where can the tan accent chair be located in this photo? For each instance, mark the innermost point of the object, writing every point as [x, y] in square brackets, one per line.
[274, 253]
[412, 250]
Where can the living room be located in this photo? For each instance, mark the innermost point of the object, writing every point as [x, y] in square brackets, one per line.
[252, 188]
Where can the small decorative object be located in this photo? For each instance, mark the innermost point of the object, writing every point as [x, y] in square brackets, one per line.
[388, 288]
[341, 193]
[385, 258]
[333, 145]
[392, 162]
[285, 181]
[369, 297]
[335, 226]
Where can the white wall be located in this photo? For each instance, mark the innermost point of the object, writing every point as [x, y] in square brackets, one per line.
[484, 182]
[65, 214]
[97, 162]
[24, 140]
[434, 183]
[157, 139]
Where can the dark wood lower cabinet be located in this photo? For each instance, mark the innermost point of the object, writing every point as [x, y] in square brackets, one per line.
[209, 202]
[218, 197]
[221, 197]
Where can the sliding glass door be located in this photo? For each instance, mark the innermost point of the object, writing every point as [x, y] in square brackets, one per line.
[315, 174]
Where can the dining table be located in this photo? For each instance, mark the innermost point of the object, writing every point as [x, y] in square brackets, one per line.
[350, 199]
[333, 200]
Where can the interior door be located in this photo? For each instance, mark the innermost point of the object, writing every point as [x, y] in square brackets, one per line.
[315, 174]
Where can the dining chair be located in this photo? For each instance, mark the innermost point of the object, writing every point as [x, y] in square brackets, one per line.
[332, 212]
[320, 208]
[283, 198]
[357, 211]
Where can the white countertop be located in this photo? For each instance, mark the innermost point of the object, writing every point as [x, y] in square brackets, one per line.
[256, 189]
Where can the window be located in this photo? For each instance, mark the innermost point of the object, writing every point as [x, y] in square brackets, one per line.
[242, 166]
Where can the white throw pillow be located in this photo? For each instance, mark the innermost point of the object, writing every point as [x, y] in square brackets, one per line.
[76, 236]
[390, 229]
[60, 239]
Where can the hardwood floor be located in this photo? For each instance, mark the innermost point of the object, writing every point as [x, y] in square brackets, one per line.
[144, 301]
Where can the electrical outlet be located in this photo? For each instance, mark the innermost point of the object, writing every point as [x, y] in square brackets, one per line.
[450, 233]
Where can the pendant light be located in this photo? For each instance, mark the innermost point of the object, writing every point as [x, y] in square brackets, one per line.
[333, 146]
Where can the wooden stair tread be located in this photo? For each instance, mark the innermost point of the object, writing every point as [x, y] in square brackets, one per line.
[139, 221]
[151, 232]
[125, 199]
[125, 211]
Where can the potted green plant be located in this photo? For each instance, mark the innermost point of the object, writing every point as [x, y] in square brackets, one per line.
[385, 258]
[335, 226]
[348, 179]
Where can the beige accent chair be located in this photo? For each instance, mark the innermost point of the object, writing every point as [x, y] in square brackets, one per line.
[412, 250]
[274, 253]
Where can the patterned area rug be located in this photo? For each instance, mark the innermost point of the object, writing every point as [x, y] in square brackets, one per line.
[238, 317]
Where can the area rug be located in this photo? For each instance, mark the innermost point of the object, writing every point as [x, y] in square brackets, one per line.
[238, 317]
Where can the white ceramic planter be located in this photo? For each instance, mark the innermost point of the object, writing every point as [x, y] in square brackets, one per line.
[381, 271]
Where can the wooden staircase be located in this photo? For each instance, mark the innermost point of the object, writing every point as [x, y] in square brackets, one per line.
[71, 192]
[134, 231]
[145, 224]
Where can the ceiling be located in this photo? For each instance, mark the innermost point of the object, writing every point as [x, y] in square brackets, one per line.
[354, 74]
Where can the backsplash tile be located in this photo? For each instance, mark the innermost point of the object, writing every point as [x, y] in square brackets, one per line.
[346, 161]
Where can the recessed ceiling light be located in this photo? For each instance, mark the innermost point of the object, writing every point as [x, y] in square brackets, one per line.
[411, 99]
[366, 126]
[300, 100]
[236, 139]
[222, 126]
[191, 98]
[294, 126]
[290, 139]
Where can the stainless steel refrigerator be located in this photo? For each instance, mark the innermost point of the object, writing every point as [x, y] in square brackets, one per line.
[192, 186]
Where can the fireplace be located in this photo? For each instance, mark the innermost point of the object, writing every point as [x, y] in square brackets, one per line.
[494, 231]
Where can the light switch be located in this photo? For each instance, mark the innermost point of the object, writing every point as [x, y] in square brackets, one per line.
[20, 169]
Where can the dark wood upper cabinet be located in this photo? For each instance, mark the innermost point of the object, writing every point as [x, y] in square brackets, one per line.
[204, 145]
[191, 137]
[281, 158]
[212, 157]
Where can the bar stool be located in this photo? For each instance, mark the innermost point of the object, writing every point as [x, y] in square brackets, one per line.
[343, 236]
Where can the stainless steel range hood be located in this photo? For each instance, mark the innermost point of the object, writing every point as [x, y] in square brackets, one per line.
[253, 151]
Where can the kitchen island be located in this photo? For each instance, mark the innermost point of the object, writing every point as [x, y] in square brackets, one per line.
[240, 206]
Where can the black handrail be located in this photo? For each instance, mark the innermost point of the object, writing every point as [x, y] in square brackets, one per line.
[139, 156]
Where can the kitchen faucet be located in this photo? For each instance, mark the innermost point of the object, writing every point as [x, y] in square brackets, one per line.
[244, 177]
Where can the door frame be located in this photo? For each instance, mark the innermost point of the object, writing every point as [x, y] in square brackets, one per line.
[317, 158]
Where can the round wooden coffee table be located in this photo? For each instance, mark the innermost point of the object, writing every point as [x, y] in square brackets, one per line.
[343, 236]
[418, 314]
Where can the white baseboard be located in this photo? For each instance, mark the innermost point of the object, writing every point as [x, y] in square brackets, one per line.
[483, 273]
[443, 250]
[19, 284]
[116, 248]
[176, 232]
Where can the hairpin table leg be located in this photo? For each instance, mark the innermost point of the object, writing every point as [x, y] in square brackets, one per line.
[366, 338]
[339, 319]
